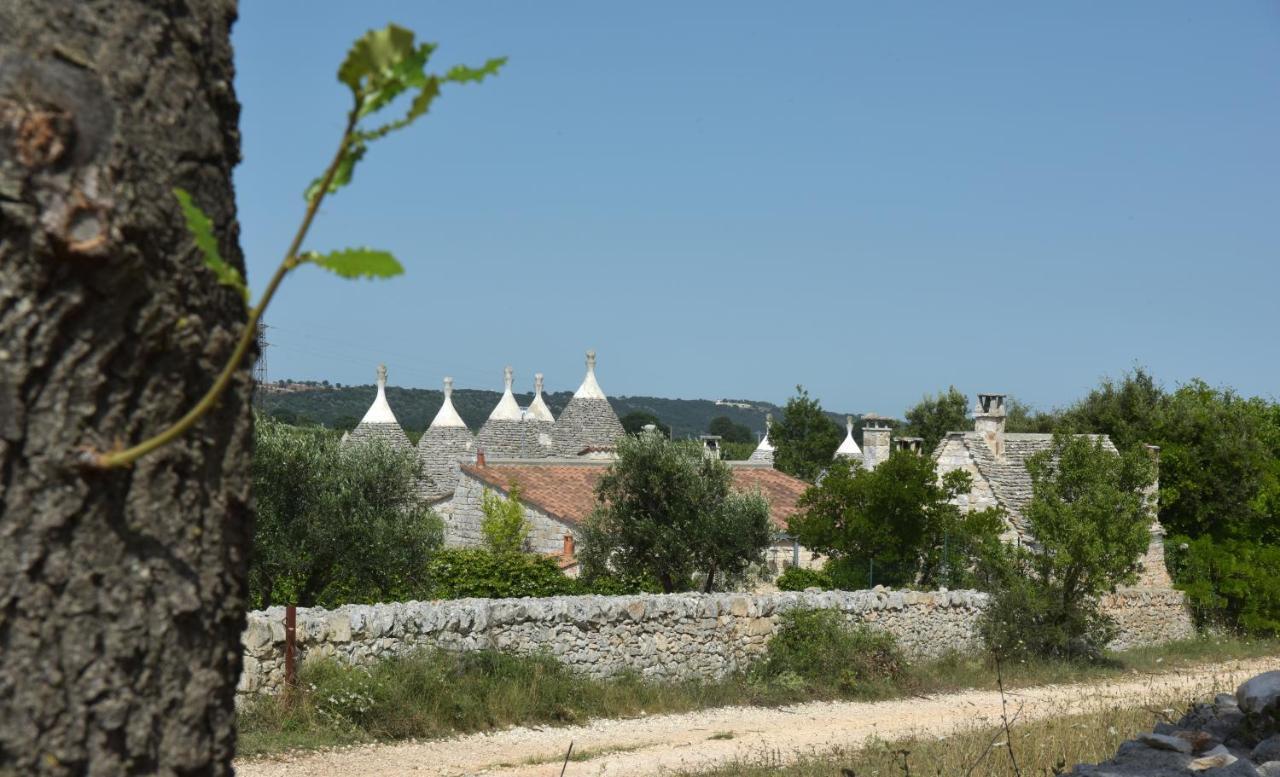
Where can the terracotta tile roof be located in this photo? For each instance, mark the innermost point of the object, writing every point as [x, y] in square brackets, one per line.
[566, 492]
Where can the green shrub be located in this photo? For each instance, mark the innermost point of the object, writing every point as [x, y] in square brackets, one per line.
[817, 650]
[504, 526]
[797, 579]
[1027, 619]
[459, 573]
[1233, 584]
[618, 585]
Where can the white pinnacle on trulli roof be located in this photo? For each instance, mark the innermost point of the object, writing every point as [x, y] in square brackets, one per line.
[765, 445]
[538, 409]
[508, 409]
[448, 416]
[380, 411]
[849, 448]
[589, 388]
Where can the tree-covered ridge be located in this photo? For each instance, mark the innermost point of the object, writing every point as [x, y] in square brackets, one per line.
[342, 407]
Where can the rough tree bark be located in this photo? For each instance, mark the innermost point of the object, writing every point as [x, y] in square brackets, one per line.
[121, 593]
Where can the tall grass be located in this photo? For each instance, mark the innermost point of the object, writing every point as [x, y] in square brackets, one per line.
[1043, 747]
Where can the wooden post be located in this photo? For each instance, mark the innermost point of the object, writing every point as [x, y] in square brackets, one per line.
[290, 650]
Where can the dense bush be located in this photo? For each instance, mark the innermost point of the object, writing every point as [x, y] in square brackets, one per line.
[459, 573]
[335, 524]
[1233, 584]
[817, 650]
[798, 579]
[1027, 618]
[504, 527]
[896, 524]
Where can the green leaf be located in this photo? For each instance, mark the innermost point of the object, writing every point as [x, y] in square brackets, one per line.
[357, 263]
[461, 74]
[403, 75]
[429, 92]
[346, 167]
[374, 54]
[201, 228]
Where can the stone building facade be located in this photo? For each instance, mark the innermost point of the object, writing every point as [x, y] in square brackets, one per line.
[996, 460]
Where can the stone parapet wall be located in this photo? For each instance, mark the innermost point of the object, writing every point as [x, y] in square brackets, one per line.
[1148, 616]
[663, 637]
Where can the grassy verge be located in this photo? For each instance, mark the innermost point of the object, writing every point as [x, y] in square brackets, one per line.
[1041, 747]
[436, 694]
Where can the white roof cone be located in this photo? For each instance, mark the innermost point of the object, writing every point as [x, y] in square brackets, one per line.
[849, 448]
[538, 407]
[447, 415]
[765, 445]
[508, 409]
[380, 411]
[589, 388]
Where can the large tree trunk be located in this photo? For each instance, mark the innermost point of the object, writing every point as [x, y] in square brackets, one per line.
[121, 593]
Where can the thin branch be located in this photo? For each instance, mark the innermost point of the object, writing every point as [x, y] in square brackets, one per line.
[1004, 715]
[568, 753]
[123, 458]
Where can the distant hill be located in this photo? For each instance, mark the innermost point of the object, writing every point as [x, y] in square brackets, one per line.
[343, 407]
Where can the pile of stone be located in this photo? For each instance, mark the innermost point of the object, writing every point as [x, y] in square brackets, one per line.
[1234, 736]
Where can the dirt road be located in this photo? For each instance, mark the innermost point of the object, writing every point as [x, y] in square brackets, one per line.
[663, 743]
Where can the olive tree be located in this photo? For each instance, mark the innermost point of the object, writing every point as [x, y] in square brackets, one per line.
[1090, 521]
[337, 524]
[668, 512]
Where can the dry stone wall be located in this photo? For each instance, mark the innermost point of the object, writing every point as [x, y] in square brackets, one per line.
[1148, 616]
[661, 637]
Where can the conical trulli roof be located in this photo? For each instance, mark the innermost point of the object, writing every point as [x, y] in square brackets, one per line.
[445, 445]
[588, 421]
[763, 453]
[503, 435]
[379, 423]
[539, 424]
[849, 449]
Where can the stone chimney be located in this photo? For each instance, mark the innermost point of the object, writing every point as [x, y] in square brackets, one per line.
[876, 442]
[913, 444]
[1154, 573]
[988, 419]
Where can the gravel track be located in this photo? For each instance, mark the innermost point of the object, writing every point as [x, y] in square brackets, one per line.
[660, 744]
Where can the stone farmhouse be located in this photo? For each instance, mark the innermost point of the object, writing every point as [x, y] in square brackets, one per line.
[997, 462]
[556, 464]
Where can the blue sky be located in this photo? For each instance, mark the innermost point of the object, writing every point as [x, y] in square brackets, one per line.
[725, 199]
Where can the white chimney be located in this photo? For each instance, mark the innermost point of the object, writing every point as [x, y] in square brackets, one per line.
[988, 419]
